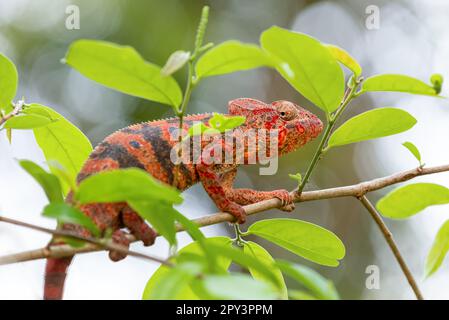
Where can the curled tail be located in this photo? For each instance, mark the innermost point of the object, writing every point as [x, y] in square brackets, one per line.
[55, 273]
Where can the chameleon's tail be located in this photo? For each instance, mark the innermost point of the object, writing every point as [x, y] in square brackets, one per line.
[55, 273]
[56, 270]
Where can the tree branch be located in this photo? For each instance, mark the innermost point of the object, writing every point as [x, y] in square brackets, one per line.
[100, 244]
[356, 190]
[394, 248]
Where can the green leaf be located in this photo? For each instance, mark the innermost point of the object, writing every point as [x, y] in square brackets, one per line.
[27, 121]
[195, 233]
[437, 82]
[123, 185]
[175, 62]
[197, 247]
[9, 80]
[222, 123]
[9, 135]
[372, 124]
[244, 260]
[123, 69]
[307, 65]
[297, 177]
[258, 252]
[65, 213]
[408, 200]
[346, 59]
[231, 56]
[37, 109]
[197, 129]
[185, 292]
[300, 295]
[49, 182]
[414, 150]
[160, 215]
[172, 283]
[305, 239]
[235, 287]
[63, 174]
[150, 198]
[219, 123]
[440, 247]
[309, 279]
[63, 142]
[190, 226]
[398, 83]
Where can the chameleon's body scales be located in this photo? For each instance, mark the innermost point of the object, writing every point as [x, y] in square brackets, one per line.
[148, 146]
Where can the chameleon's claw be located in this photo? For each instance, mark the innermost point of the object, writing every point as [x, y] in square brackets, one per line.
[237, 211]
[288, 208]
[286, 199]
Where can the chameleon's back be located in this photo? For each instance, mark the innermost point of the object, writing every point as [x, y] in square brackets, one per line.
[147, 146]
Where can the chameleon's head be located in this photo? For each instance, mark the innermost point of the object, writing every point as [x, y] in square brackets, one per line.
[300, 126]
[296, 125]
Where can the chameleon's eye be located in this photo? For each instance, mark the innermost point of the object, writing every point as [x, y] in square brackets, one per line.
[287, 115]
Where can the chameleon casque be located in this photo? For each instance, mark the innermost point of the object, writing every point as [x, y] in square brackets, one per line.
[148, 145]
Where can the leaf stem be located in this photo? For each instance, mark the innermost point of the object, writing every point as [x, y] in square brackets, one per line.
[394, 248]
[316, 157]
[239, 241]
[189, 88]
[191, 82]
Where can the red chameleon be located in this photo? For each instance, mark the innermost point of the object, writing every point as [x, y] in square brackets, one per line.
[148, 146]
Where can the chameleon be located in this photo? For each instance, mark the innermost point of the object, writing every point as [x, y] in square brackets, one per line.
[148, 145]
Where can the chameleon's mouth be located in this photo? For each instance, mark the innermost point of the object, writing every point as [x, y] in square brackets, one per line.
[315, 126]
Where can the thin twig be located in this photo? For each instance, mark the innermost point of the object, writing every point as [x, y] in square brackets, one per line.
[180, 113]
[362, 188]
[356, 190]
[191, 82]
[98, 243]
[331, 120]
[17, 109]
[394, 248]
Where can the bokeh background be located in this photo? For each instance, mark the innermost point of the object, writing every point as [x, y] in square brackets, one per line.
[412, 39]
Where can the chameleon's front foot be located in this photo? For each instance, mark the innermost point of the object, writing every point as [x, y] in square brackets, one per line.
[237, 211]
[286, 199]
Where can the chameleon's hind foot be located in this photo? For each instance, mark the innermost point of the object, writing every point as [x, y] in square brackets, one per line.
[138, 227]
[119, 237]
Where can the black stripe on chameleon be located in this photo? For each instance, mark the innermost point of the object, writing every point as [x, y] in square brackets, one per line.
[161, 149]
[117, 153]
